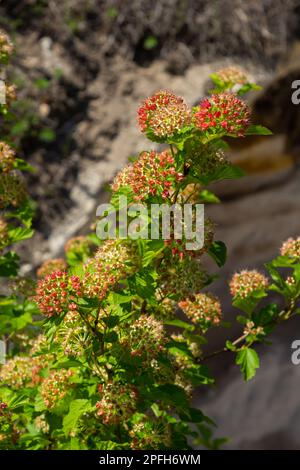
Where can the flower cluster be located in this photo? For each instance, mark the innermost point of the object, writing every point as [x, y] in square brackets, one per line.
[51, 265]
[4, 236]
[8, 432]
[251, 329]
[78, 245]
[41, 424]
[72, 335]
[55, 387]
[55, 293]
[118, 256]
[118, 402]
[163, 115]
[6, 47]
[180, 280]
[7, 157]
[152, 174]
[290, 281]
[149, 433]
[10, 93]
[12, 190]
[146, 337]
[23, 371]
[178, 246]
[223, 113]
[113, 261]
[291, 247]
[246, 282]
[3, 406]
[232, 75]
[204, 310]
[205, 159]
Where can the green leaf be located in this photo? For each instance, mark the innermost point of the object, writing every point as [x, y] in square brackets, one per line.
[47, 135]
[199, 375]
[218, 252]
[143, 283]
[76, 410]
[17, 234]
[248, 361]
[180, 324]
[227, 171]
[150, 42]
[21, 165]
[230, 346]
[258, 130]
[208, 197]
[248, 304]
[9, 265]
[169, 393]
[194, 415]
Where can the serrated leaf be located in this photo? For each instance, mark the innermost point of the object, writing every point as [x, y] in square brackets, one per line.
[76, 410]
[218, 252]
[258, 130]
[248, 361]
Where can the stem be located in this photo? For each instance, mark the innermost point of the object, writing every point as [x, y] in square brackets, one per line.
[284, 315]
[225, 349]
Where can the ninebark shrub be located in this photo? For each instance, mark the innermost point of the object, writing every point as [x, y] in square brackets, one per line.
[118, 353]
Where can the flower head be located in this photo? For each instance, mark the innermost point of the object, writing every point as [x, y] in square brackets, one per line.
[245, 283]
[232, 75]
[12, 190]
[223, 113]
[72, 335]
[113, 261]
[56, 292]
[181, 279]
[291, 248]
[163, 114]
[22, 371]
[55, 387]
[150, 433]
[51, 265]
[118, 402]
[146, 337]
[204, 310]
[152, 174]
[78, 245]
[251, 329]
[6, 47]
[7, 157]
[41, 424]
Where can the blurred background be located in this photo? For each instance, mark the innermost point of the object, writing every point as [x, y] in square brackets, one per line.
[82, 67]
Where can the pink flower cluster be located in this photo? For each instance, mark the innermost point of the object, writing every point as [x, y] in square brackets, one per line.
[55, 387]
[7, 157]
[163, 114]
[223, 113]
[291, 248]
[204, 310]
[232, 75]
[51, 265]
[112, 262]
[146, 337]
[246, 282]
[118, 402]
[152, 174]
[56, 292]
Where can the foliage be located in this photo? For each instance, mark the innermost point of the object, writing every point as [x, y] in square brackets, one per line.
[115, 366]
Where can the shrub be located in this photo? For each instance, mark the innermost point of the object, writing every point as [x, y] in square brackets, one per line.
[115, 366]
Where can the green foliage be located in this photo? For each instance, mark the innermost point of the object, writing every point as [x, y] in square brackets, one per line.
[248, 361]
[99, 356]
